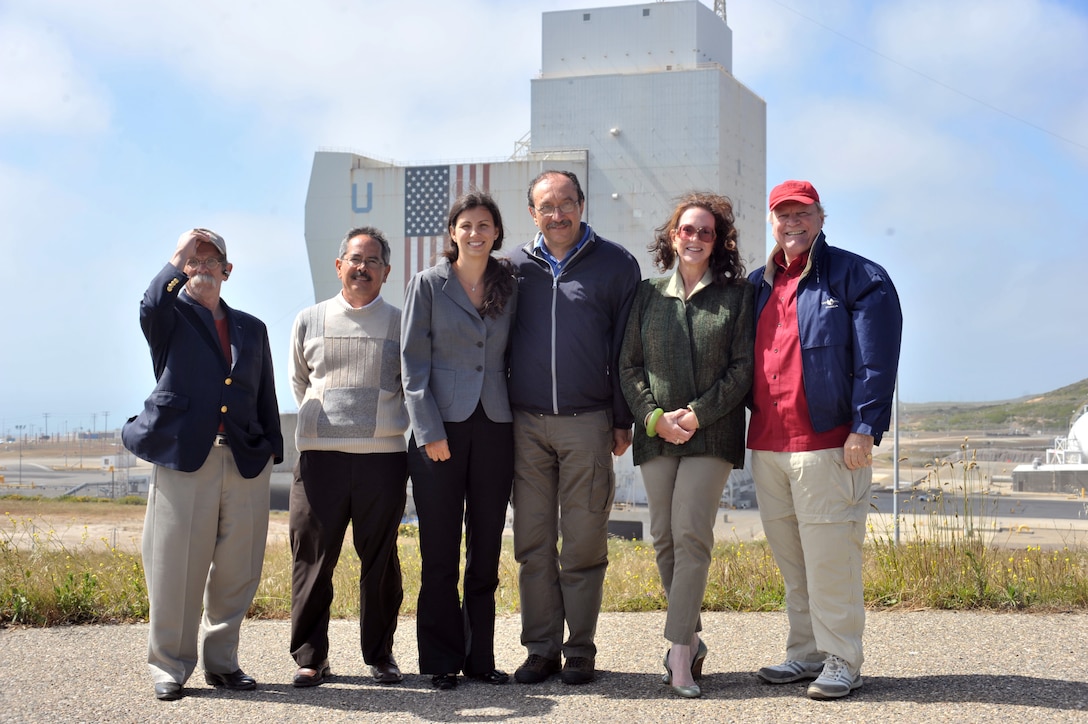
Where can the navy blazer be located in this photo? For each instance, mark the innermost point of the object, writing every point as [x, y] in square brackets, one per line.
[451, 357]
[197, 390]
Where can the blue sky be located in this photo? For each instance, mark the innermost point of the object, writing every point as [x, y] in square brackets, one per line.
[949, 141]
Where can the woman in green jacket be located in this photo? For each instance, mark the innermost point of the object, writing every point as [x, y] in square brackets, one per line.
[685, 368]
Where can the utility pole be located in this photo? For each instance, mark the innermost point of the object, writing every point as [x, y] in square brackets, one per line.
[19, 431]
[46, 416]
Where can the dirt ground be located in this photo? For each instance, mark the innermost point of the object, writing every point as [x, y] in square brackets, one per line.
[34, 521]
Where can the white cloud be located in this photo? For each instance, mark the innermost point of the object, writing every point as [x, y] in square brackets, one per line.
[386, 78]
[44, 88]
[996, 58]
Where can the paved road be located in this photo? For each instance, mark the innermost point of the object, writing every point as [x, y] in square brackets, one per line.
[1015, 505]
[921, 667]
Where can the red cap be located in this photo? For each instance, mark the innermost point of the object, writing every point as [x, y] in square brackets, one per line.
[793, 191]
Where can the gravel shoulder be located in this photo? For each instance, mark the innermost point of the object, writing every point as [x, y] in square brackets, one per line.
[921, 666]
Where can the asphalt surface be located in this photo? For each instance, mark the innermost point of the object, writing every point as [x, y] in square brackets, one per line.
[921, 667]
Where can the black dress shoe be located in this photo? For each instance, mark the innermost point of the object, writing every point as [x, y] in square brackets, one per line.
[318, 677]
[444, 681]
[237, 680]
[495, 676]
[167, 691]
[386, 672]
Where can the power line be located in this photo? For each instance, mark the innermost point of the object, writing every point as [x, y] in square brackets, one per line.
[933, 80]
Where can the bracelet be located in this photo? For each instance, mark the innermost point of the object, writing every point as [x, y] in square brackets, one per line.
[651, 423]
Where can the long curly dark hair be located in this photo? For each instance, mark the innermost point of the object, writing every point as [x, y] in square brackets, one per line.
[725, 263]
[499, 274]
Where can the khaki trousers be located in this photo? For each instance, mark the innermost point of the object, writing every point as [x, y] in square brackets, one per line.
[684, 494]
[813, 510]
[204, 539]
[563, 486]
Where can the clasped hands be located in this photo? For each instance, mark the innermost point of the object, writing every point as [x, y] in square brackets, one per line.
[677, 426]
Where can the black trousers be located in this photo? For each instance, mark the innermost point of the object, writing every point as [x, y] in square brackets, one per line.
[330, 490]
[472, 487]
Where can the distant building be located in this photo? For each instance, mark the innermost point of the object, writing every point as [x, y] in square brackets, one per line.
[639, 101]
[1066, 466]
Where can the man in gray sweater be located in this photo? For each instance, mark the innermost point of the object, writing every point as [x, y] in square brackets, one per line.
[345, 375]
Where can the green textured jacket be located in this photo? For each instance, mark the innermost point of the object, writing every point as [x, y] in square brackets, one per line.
[697, 354]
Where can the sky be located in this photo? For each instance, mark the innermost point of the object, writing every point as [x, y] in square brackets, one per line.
[948, 141]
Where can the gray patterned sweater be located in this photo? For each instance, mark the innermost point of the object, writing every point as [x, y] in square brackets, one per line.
[344, 366]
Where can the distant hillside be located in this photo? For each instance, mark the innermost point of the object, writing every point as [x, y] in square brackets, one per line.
[1049, 413]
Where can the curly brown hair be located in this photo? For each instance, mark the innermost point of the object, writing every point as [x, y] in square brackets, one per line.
[725, 263]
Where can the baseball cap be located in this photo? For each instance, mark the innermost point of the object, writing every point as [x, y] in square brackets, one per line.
[215, 239]
[791, 191]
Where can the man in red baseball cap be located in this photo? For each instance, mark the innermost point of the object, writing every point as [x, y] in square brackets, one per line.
[828, 330]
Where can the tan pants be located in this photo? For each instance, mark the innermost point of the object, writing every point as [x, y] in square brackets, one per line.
[813, 510]
[563, 485]
[203, 548]
[684, 495]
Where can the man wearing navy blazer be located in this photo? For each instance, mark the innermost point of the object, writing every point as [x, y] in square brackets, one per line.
[211, 428]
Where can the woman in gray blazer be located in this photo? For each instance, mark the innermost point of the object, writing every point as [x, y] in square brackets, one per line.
[455, 327]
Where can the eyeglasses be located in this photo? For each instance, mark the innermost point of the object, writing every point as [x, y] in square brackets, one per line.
[687, 231]
[371, 262]
[567, 207]
[211, 263]
[801, 216]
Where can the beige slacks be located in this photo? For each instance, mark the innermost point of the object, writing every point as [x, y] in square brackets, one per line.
[204, 539]
[813, 510]
[684, 494]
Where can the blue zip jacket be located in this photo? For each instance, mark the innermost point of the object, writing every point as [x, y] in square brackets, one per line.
[851, 325]
[565, 344]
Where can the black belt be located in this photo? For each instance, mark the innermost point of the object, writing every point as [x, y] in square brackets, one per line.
[221, 440]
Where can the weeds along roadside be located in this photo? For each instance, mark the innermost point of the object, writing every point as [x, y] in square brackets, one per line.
[951, 558]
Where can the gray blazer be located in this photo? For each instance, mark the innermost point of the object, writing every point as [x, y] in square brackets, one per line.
[451, 357]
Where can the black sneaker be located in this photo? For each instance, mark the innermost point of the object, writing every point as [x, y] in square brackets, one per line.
[535, 669]
[578, 670]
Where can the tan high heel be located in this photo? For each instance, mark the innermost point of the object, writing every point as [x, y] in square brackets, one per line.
[697, 662]
[688, 692]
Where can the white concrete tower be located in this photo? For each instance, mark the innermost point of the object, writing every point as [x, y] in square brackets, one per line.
[648, 91]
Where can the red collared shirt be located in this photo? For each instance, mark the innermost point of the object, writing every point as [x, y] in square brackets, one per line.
[780, 418]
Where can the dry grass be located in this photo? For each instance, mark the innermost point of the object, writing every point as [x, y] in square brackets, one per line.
[57, 567]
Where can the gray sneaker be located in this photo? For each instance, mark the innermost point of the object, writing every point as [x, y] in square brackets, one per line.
[835, 681]
[790, 671]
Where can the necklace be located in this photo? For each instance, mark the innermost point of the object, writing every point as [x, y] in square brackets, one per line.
[469, 287]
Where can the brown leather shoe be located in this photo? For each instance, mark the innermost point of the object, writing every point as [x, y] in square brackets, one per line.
[386, 672]
[578, 670]
[311, 675]
[536, 669]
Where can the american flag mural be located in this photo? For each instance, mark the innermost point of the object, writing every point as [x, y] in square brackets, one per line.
[428, 193]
